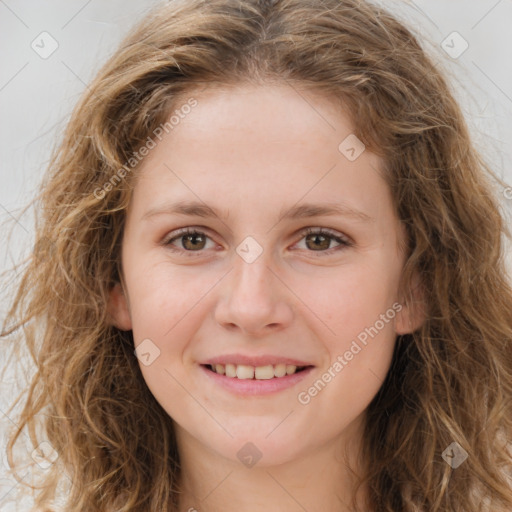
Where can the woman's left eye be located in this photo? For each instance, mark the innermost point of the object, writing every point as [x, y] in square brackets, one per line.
[194, 240]
[323, 238]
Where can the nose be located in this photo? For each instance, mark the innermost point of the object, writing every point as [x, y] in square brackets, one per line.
[254, 300]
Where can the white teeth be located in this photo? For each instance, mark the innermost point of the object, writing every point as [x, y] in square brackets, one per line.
[290, 369]
[230, 370]
[279, 370]
[264, 372]
[243, 371]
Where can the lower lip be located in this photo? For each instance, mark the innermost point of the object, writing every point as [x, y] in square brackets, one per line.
[254, 386]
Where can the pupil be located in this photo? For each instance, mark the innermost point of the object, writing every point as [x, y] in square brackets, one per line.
[190, 238]
[325, 241]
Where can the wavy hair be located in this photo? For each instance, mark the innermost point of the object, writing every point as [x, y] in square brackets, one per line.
[449, 381]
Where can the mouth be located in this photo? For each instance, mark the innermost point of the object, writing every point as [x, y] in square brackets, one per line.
[247, 372]
[244, 379]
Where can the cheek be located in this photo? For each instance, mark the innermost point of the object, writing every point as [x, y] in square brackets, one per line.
[167, 309]
[162, 296]
[356, 304]
[164, 311]
[363, 320]
[351, 299]
[360, 352]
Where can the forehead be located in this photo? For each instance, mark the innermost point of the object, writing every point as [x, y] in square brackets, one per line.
[283, 109]
[262, 143]
[273, 126]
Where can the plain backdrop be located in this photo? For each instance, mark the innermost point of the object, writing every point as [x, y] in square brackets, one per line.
[51, 50]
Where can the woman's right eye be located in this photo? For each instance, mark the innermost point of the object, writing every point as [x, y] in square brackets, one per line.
[192, 240]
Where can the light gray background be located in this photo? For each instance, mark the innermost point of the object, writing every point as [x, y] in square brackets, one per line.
[37, 94]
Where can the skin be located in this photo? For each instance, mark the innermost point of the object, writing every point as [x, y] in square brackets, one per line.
[253, 151]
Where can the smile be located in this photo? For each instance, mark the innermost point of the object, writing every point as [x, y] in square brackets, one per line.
[267, 372]
[248, 380]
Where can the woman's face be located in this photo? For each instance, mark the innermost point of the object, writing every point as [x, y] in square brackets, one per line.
[250, 170]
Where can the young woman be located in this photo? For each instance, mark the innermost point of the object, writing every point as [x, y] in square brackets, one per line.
[269, 275]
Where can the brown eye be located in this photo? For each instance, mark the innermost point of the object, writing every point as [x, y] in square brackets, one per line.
[320, 240]
[317, 241]
[191, 240]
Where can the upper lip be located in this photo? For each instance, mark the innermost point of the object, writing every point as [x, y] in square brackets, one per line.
[255, 361]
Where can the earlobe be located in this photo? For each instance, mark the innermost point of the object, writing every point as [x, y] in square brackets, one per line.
[413, 313]
[118, 308]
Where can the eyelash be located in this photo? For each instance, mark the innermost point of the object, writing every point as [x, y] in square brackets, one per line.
[344, 242]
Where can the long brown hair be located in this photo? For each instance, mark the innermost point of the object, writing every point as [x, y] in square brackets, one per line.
[449, 382]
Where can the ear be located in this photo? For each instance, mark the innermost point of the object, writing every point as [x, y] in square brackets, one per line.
[413, 313]
[119, 309]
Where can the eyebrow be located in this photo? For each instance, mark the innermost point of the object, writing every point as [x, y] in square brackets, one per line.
[303, 211]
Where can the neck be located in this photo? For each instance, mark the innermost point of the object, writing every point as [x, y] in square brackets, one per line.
[318, 479]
